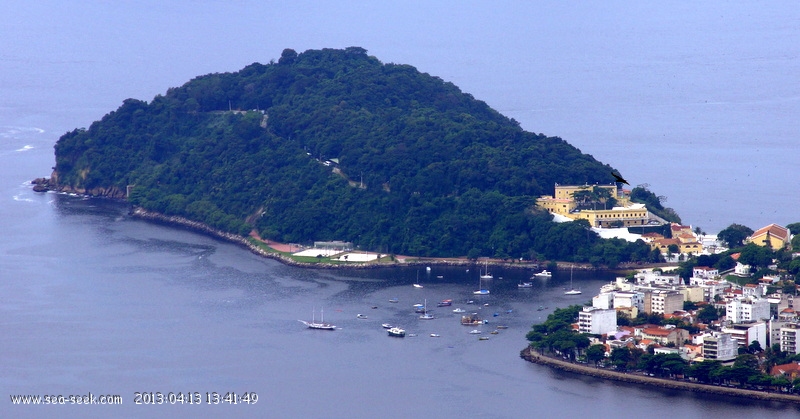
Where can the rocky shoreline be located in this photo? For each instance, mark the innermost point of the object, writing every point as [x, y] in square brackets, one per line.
[531, 356]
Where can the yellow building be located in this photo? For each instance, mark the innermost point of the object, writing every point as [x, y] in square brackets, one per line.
[772, 236]
[633, 215]
[687, 248]
[564, 203]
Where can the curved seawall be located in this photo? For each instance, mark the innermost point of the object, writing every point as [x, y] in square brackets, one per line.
[529, 355]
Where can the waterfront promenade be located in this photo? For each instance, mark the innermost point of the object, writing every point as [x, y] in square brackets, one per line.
[529, 355]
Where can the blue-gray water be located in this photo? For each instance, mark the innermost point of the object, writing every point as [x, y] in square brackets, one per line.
[699, 101]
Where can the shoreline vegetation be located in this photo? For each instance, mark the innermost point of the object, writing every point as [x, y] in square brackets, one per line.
[530, 355]
[264, 248]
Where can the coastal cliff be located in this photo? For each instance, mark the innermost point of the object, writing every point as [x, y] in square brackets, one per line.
[43, 184]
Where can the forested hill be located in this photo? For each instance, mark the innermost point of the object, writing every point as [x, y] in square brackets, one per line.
[419, 167]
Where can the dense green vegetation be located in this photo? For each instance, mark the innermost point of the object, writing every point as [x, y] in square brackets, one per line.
[653, 203]
[419, 168]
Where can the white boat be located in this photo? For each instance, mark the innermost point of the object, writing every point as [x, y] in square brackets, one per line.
[435, 335]
[544, 274]
[417, 284]
[386, 326]
[361, 316]
[572, 290]
[474, 332]
[481, 290]
[425, 315]
[487, 275]
[393, 300]
[525, 285]
[321, 325]
[459, 310]
[397, 332]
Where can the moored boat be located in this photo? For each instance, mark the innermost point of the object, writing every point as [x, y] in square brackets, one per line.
[321, 325]
[425, 315]
[543, 274]
[459, 310]
[445, 303]
[397, 332]
[525, 285]
[472, 320]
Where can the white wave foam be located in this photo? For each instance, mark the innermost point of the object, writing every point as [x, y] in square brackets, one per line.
[18, 198]
[11, 132]
[26, 148]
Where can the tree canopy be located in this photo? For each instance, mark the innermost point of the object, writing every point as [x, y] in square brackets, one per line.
[335, 145]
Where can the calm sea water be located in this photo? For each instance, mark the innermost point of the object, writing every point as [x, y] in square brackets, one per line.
[698, 101]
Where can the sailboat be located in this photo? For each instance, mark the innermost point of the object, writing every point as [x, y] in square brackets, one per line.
[417, 284]
[425, 315]
[486, 275]
[321, 325]
[572, 290]
[481, 290]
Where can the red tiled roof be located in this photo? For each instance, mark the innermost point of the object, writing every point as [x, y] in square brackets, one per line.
[785, 369]
[656, 331]
[774, 230]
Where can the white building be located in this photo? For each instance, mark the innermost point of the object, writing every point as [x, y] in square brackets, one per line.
[741, 269]
[597, 321]
[747, 309]
[604, 300]
[720, 347]
[705, 272]
[657, 278]
[746, 333]
[790, 338]
[629, 299]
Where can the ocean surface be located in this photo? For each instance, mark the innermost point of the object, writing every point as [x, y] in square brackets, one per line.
[698, 101]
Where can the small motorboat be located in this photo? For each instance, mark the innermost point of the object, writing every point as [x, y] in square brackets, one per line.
[397, 332]
[361, 316]
[393, 300]
[525, 285]
[459, 310]
[386, 326]
[474, 332]
[435, 335]
[483, 338]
